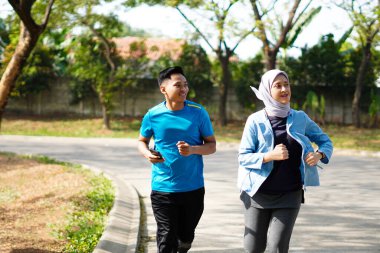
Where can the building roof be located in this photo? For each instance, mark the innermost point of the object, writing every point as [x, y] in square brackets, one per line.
[154, 47]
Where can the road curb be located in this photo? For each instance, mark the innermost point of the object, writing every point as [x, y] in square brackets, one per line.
[121, 234]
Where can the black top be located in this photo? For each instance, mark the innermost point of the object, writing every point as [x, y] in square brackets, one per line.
[286, 175]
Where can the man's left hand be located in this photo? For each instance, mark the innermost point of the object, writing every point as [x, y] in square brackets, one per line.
[184, 148]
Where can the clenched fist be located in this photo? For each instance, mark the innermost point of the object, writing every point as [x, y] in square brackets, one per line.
[184, 148]
[313, 158]
[280, 152]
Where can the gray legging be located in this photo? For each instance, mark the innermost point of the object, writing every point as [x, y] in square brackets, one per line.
[270, 228]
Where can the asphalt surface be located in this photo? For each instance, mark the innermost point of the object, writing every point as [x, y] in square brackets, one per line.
[342, 215]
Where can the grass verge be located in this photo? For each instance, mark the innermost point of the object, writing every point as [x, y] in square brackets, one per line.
[345, 137]
[86, 223]
[64, 206]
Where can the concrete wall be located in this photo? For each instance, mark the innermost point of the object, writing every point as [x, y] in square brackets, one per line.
[56, 101]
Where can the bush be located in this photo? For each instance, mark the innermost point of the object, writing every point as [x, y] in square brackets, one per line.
[86, 224]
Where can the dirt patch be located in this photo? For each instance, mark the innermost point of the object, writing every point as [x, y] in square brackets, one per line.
[34, 198]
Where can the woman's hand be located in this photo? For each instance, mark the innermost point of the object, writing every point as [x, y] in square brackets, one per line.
[313, 158]
[280, 152]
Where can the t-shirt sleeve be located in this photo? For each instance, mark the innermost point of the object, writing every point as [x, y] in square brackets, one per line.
[146, 126]
[205, 124]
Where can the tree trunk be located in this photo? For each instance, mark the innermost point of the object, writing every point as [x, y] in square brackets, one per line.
[270, 59]
[223, 89]
[359, 84]
[106, 117]
[108, 55]
[343, 118]
[29, 34]
[13, 70]
[105, 110]
[271, 49]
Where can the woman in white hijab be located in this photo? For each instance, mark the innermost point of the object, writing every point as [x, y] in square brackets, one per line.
[276, 163]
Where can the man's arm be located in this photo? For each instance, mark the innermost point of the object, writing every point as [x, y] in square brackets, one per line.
[208, 147]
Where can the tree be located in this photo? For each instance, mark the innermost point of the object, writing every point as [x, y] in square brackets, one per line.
[91, 66]
[365, 16]
[135, 71]
[330, 67]
[315, 106]
[286, 33]
[322, 65]
[30, 31]
[4, 36]
[38, 70]
[374, 109]
[219, 15]
[198, 70]
[98, 68]
[42, 65]
[105, 87]
[245, 74]
[323, 68]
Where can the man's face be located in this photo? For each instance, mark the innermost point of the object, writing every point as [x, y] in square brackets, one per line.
[175, 89]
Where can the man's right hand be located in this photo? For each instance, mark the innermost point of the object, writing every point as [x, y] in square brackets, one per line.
[154, 156]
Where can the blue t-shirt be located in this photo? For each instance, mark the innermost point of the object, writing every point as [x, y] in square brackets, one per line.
[178, 173]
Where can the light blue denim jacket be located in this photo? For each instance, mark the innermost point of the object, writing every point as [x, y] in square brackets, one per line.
[258, 139]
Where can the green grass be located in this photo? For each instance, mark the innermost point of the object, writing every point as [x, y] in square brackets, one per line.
[70, 127]
[346, 137]
[86, 223]
[343, 137]
[349, 137]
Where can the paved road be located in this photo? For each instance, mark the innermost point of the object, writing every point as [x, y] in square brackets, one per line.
[343, 215]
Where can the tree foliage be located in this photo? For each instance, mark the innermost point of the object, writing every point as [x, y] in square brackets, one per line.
[374, 109]
[323, 64]
[4, 36]
[37, 74]
[315, 106]
[46, 61]
[248, 74]
[100, 68]
[89, 67]
[31, 27]
[328, 67]
[365, 16]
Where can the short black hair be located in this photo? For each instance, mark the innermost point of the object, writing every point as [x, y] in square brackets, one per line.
[166, 73]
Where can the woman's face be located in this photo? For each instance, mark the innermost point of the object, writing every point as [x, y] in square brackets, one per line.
[280, 90]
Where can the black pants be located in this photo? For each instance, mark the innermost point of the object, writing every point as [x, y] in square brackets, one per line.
[177, 215]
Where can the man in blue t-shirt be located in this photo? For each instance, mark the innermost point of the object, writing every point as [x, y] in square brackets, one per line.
[182, 133]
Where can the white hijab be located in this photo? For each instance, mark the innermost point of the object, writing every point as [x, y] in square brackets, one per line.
[272, 107]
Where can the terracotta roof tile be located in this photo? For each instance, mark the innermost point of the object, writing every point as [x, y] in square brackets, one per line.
[154, 47]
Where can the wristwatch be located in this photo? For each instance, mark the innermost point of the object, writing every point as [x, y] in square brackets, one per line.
[322, 154]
